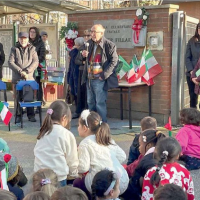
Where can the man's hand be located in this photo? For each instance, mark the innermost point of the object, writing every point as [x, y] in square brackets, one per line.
[100, 78]
[191, 72]
[24, 75]
[85, 53]
[195, 81]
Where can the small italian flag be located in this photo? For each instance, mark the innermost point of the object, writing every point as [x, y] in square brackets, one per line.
[125, 68]
[134, 64]
[6, 115]
[3, 180]
[153, 68]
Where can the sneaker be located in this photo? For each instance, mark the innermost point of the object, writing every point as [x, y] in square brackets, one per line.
[75, 115]
[18, 120]
[32, 119]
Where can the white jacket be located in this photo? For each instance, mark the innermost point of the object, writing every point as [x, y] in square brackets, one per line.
[94, 157]
[57, 151]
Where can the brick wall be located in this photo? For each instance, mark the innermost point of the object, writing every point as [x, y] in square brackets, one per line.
[159, 20]
[191, 8]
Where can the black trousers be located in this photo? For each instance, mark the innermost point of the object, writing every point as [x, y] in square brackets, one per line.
[40, 91]
[193, 96]
[81, 99]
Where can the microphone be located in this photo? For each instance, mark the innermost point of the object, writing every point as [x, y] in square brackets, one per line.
[87, 45]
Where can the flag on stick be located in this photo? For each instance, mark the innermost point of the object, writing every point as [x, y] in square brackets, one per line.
[6, 115]
[125, 68]
[134, 64]
[153, 68]
[3, 180]
[168, 126]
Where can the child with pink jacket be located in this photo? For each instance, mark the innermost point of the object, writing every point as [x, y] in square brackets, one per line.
[189, 138]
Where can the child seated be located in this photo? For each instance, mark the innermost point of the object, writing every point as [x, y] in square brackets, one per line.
[37, 196]
[167, 170]
[98, 151]
[146, 123]
[169, 192]
[189, 138]
[5, 149]
[10, 163]
[6, 195]
[56, 146]
[105, 185]
[147, 140]
[45, 180]
[69, 193]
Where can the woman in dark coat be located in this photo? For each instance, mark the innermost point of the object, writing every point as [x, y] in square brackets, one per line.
[36, 41]
[73, 76]
[191, 58]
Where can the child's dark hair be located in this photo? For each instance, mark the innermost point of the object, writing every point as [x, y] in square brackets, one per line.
[148, 123]
[6, 195]
[37, 196]
[101, 182]
[69, 193]
[169, 192]
[190, 116]
[167, 149]
[93, 121]
[151, 137]
[56, 111]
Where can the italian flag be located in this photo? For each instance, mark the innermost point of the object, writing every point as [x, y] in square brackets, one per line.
[141, 70]
[6, 115]
[3, 180]
[153, 68]
[134, 64]
[125, 68]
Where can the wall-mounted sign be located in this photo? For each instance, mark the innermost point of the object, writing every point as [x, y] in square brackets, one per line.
[120, 32]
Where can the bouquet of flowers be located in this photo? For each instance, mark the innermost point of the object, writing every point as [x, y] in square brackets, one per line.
[143, 15]
[70, 33]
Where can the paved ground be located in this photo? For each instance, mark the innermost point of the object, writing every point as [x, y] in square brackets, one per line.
[22, 141]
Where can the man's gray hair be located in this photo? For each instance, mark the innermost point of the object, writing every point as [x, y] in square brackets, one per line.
[101, 27]
[79, 41]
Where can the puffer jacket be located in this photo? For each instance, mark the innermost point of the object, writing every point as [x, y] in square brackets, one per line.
[22, 59]
[41, 51]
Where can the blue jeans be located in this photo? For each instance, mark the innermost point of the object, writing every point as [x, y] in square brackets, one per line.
[96, 97]
[63, 183]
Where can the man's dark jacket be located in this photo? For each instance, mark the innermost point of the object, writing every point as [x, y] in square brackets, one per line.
[109, 62]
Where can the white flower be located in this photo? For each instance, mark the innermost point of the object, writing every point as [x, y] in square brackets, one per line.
[84, 116]
[144, 138]
[138, 12]
[144, 17]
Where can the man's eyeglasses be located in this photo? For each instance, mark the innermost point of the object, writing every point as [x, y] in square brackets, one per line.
[95, 31]
[87, 35]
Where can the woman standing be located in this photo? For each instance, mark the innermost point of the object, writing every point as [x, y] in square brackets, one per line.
[191, 57]
[35, 40]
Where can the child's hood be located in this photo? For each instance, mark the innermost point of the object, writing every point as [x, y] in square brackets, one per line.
[194, 129]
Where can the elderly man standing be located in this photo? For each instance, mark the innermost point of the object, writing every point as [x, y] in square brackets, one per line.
[99, 73]
[23, 61]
